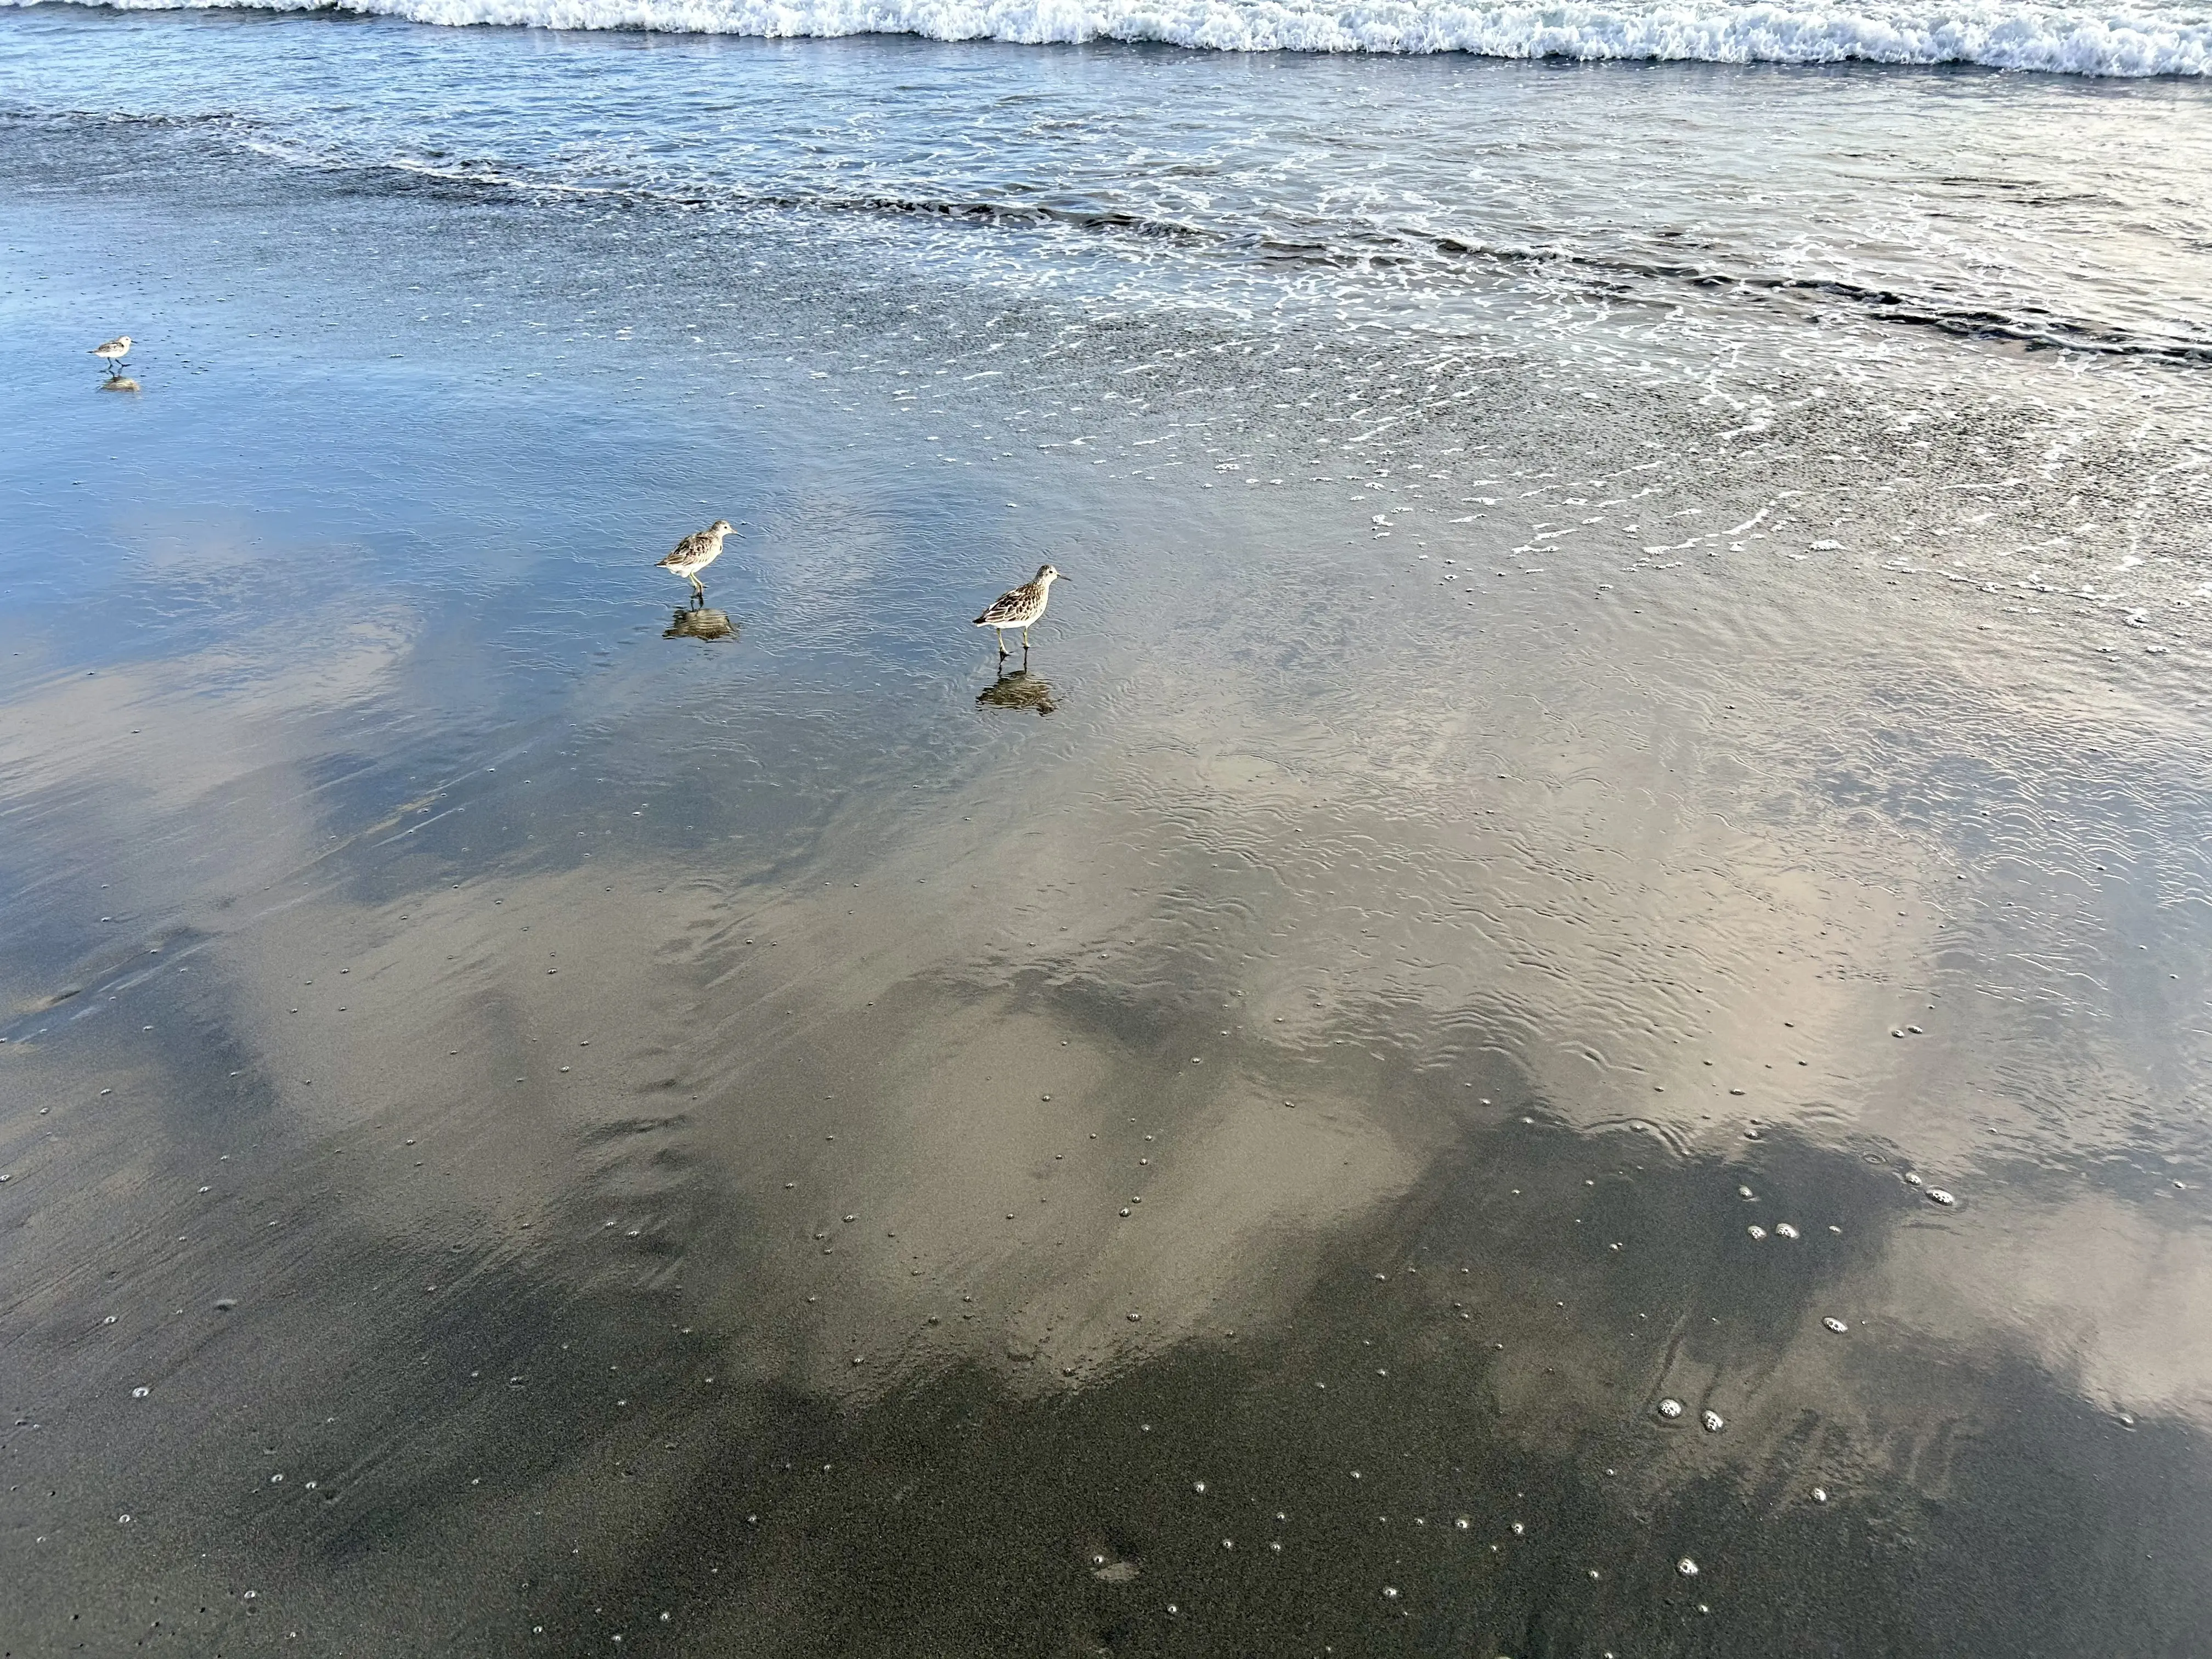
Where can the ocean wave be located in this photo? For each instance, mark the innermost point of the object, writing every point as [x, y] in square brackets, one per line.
[2142, 39]
[2034, 327]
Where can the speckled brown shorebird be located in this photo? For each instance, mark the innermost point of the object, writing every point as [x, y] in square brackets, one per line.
[696, 552]
[112, 352]
[1021, 607]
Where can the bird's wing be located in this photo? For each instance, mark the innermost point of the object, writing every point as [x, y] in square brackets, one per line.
[688, 550]
[1005, 607]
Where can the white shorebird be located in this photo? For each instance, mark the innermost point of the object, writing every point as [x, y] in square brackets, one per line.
[696, 552]
[112, 352]
[1020, 607]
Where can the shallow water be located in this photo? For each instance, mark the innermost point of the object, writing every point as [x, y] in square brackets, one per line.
[784, 1142]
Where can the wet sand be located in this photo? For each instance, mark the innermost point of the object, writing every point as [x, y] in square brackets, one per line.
[782, 1143]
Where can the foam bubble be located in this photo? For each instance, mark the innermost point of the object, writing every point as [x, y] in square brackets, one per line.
[2146, 37]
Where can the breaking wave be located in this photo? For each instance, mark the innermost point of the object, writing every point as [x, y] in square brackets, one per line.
[2140, 40]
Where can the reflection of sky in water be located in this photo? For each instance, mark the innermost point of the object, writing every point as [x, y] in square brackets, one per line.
[1375, 918]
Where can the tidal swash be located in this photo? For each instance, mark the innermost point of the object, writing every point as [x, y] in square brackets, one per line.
[1564, 1011]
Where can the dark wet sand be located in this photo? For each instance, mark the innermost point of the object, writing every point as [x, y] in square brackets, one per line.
[759, 1145]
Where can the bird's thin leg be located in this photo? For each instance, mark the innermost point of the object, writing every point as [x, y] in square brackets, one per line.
[1025, 639]
[1003, 652]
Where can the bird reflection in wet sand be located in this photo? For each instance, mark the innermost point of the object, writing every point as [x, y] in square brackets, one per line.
[1020, 607]
[696, 552]
[118, 382]
[700, 622]
[1019, 689]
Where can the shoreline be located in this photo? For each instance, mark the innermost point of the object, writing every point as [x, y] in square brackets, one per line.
[1437, 954]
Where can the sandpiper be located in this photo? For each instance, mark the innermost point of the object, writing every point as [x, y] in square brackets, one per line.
[112, 352]
[696, 552]
[1021, 607]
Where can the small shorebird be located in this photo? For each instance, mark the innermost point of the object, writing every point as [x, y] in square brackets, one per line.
[1021, 607]
[112, 352]
[696, 552]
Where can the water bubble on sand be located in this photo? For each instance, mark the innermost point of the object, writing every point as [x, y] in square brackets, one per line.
[1390, 1592]
[1686, 1567]
[1743, 1192]
[1783, 1229]
[1937, 1195]
[1713, 1420]
[1834, 1324]
[1518, 1530]
[1756, 1232]
[141, 1392]
[1820, 1494]
[1670, 1409]
[1911, 1179]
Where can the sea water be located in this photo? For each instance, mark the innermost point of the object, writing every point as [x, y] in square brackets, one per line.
[1630, 678]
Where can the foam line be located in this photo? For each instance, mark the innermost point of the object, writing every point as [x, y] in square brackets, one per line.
[2142, 39]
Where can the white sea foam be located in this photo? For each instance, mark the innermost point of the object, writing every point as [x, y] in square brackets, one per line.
[2140, 40]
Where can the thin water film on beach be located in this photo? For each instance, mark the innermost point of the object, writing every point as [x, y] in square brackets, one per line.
[1556, 1005]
